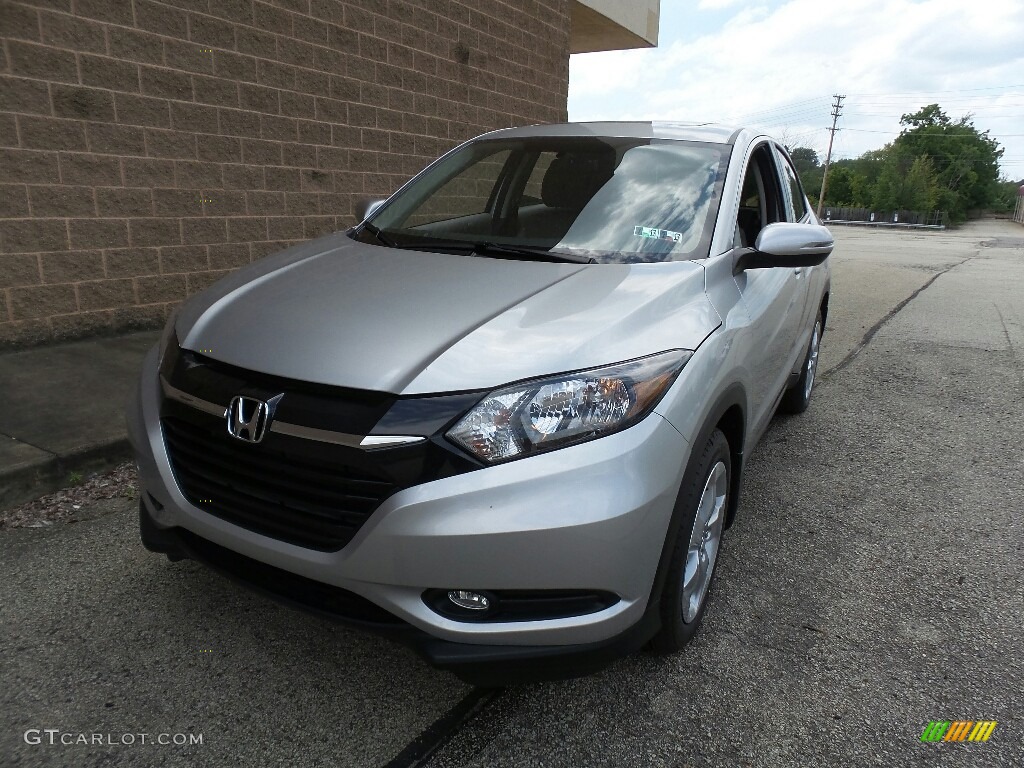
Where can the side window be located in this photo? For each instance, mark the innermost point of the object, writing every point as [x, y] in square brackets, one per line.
[796, 206]
[761, 199]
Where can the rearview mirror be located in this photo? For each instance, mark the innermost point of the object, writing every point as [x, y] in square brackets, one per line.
[788, 245]
[366, 206]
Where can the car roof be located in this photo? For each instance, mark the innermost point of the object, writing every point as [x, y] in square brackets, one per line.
[680, 131]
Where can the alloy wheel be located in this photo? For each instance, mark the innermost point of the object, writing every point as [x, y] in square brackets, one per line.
[812, 359]
[704, 540]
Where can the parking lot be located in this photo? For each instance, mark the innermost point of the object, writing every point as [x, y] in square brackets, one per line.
[871, 584]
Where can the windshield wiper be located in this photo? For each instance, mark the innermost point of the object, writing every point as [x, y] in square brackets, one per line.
[484, 248]
[380, 235]
[538, 254]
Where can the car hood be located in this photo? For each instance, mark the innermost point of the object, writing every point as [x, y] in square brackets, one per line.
[338, 312]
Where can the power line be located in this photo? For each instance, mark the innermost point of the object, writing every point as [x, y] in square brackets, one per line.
[955, 90]
[980, 116]
[893, 106]
[936, 135]
[837, 110]
[781, 108]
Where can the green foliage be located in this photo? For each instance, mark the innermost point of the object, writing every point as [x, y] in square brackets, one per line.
[921, 191]
[926, 117]
[868, 166]
[862, 189]
[888, 187]
[840, 186]
[965, 161]
[905, 183]
[74, 478]
[936, 163]
[804, 159]
[812, 182]
[1006, 197]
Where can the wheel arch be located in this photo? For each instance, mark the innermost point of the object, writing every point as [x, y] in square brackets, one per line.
[732, 423]
[728, 413]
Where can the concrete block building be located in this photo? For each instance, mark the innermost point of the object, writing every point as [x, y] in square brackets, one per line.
[148, 147]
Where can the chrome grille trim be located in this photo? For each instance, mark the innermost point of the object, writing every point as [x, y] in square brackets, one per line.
[294, 430]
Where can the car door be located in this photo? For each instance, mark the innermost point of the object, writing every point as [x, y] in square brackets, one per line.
[798, 211]
[774, 298]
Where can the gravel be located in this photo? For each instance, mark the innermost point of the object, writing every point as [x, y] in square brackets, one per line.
[76, 503]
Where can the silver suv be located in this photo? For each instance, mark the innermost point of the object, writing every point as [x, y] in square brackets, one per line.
[504, 418]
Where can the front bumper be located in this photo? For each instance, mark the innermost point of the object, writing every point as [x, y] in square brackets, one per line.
[592, 516]
[480, 665]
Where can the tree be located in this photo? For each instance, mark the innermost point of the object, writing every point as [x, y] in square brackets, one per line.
[926, 117]
[840, 186]
[869, 165]
[805, 159]
[888, 187]
[906, 183]
[864, 172]
[1006, 199]
[965, 161]
[921, 187]
[936, 163]
[861, 189]
[808, 167]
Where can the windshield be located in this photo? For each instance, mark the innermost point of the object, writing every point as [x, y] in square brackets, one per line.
[621, 200]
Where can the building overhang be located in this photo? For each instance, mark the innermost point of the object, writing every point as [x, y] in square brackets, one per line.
[612, 25]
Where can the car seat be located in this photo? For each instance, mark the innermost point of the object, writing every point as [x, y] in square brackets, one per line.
[569, 184]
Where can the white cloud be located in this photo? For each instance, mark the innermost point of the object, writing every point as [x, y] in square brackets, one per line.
[778, 68]
[715, 5]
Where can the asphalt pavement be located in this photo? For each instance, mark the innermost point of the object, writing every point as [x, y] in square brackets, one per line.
[871, 584]
[62, 411]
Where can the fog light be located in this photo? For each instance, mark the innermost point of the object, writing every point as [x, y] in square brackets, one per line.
[471, 601]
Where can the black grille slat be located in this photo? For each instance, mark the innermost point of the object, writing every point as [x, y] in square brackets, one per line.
[230, 450]
[268, 490]
[214, 489]
[276, 522]
[229, 465]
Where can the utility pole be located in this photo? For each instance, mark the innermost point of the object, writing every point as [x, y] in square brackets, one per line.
[837, 110]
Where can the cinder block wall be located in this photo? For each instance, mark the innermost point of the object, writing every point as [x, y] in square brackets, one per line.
[148, 148]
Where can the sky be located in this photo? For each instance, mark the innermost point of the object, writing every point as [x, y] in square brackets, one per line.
[776, 64]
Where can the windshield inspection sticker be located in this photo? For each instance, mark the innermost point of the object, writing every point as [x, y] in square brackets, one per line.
[658, 234]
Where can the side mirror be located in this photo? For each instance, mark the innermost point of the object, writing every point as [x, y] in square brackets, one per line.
[788, 245]
[366, 206]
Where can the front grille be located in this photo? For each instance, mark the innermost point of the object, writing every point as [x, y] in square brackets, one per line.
[317, 504]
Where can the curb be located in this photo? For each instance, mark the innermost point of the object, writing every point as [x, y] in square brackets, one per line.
[51, 474]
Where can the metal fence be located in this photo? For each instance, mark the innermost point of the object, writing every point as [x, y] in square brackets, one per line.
[842, 215]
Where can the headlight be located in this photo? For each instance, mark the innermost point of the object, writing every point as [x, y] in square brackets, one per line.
[549, 413]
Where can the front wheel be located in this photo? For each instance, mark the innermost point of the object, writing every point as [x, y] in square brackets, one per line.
[798, 397]
[694, 553]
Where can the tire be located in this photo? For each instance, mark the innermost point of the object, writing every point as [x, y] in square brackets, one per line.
[703, 505]
[798, 397]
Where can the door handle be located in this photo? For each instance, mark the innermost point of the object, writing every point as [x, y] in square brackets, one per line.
[798, 271]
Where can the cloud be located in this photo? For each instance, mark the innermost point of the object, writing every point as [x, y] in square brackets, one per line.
[716, 5]
[778, 68]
